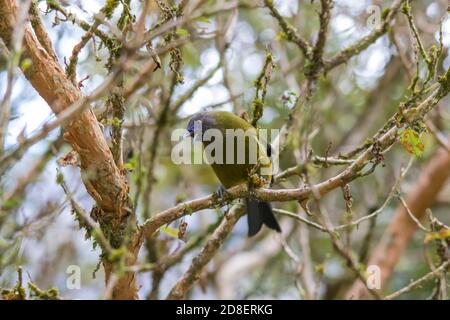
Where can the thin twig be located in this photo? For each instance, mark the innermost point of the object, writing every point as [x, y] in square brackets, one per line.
[419, 281]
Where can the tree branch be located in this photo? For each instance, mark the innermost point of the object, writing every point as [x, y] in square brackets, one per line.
[345, 54]
[184, 284]
[102, 178]
[402, 228]
[353, 171]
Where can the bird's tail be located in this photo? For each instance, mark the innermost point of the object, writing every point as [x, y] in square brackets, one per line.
[259, 213]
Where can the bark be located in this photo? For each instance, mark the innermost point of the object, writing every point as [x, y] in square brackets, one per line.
[402, 228]
[101, 176]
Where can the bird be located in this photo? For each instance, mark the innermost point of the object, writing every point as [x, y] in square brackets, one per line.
[239, 170]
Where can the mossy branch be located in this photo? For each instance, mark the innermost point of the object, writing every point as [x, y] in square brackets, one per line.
[261, 88]
[345, 54]
[289, 32]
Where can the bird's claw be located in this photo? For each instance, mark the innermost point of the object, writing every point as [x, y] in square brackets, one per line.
[221, 195]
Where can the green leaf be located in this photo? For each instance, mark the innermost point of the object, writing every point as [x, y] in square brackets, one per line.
[410, 140]
[59, 178]
[204, 20]
[131, 164]
[116, 122]
[11, 203]
[170, 231]
[182, 32]
[25, 64]
[281, 36]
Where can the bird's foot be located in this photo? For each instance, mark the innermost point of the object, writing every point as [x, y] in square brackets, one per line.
[221, 193]
[221, 196]
[251, 192]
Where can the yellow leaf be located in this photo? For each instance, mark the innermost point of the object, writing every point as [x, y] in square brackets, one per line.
[442, 234]
[410, 140]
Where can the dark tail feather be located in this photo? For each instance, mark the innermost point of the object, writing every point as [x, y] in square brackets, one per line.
[265, 210]
[259, 213]
[253, 217]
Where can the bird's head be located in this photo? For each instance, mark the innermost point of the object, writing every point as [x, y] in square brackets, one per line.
[199, 123]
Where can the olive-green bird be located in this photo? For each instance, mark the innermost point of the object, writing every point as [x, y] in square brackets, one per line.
[243, 165]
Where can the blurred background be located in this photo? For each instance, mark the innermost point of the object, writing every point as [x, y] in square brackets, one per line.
[351, 103]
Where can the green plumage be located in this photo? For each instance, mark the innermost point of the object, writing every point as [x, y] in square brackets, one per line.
[236, 173]
[253, 156]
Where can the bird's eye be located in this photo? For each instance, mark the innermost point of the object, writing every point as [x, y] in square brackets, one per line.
[190, 130]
